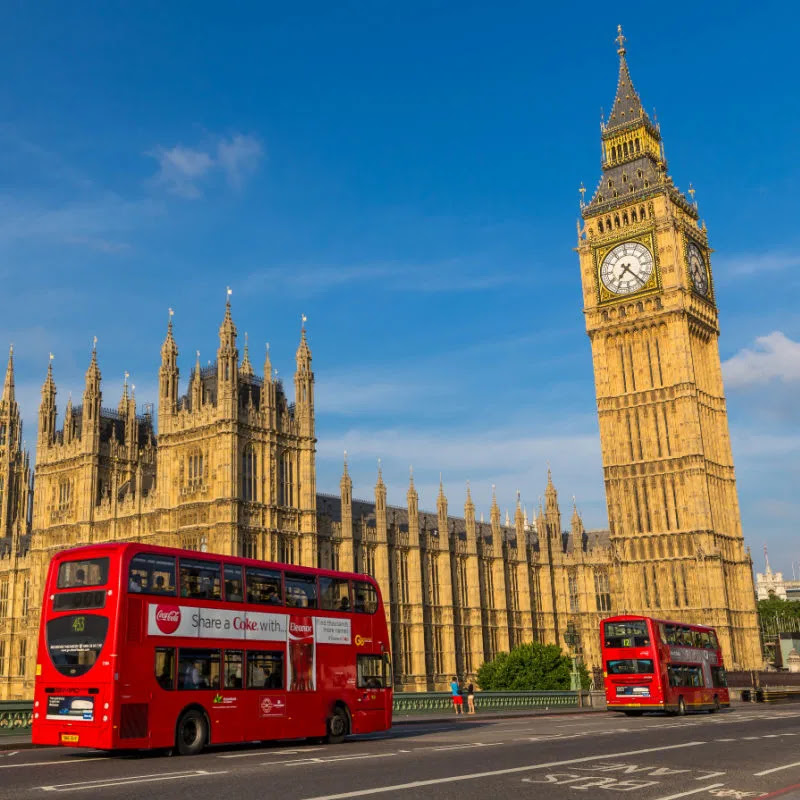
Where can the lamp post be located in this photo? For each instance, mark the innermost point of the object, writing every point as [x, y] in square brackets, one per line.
[572, 637]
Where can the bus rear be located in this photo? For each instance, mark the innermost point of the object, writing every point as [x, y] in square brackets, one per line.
[77, 649]
[632, 667]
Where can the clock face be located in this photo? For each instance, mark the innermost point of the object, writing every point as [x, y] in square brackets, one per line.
[697, 268]
[627, 268]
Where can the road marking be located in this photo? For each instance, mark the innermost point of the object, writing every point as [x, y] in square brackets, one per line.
[104, 783]
[777, 769]
[691, 791]
[724, 740]
[507, 771]
[8, 755]
[461, 746]
[276, 753]
[306, 761]
[46, 763]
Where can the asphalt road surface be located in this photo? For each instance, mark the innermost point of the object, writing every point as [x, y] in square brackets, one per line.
[749, 752]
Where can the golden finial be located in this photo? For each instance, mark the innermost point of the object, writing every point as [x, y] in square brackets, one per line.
[51, 356]
[620, 41]
[582, 192]
[94, 343]
[691, 191]
[171, 313]
[229, 291]
[304, 319]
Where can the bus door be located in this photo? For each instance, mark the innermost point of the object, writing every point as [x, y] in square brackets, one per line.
[264, 699]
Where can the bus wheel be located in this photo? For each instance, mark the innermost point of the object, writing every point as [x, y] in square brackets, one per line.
[681, 707]
[338, 726]
[192, 732]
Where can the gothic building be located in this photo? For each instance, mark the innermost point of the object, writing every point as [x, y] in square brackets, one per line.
[230, 468]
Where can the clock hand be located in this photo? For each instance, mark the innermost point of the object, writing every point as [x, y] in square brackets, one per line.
[636, 277]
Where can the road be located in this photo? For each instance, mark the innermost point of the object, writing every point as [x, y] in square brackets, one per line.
[749, 752]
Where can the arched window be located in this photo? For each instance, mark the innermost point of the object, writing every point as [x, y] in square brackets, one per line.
[600, 225]
[3, 434]
[625, 148]
[637, 144]
[64, 494]
[641, 212]
[1, 491]
[633, 214]
[624, 217]
[249, 474]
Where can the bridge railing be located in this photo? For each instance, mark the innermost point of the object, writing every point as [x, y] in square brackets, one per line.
[431, 702]
[15, 716]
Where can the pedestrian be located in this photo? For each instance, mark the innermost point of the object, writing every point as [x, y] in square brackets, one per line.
[455, 689]
[471, 698]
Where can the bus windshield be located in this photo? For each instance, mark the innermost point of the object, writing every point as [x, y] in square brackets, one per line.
[87, 572]
[630, 633]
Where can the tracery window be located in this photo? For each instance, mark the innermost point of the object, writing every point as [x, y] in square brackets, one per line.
[249, 474]
[602, 590]
[64, 494]
[195, 470]
[572, 587]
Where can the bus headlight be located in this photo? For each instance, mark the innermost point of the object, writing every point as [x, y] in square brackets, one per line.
[106, 706]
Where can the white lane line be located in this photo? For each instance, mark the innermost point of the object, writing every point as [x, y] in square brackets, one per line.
[508, 771]
[461, 746]
[777, 769]
[276, 753]
[46, 763]
[691, 791]
[306, 761]
[104, 783]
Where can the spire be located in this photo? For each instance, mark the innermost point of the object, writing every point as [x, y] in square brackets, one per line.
[345, 473]
[550, 493]
[346, 483]
[169, 350]
[247, 367]
[494, 514]
[267, 367]
[123, 401]
[227, 331]
[766, 562]
[303, 351]
[576, 517]
[49, 385]
[93, 373]
[380, 474]
[8, 385]
[627, 107]
[441, 488]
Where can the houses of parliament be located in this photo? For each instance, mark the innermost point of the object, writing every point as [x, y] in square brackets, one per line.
[229, 467]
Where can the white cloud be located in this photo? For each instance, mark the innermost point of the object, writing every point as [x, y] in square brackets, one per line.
[181, 170]
[766, 261]
[774, 357]
[238, 157]
[449, 275]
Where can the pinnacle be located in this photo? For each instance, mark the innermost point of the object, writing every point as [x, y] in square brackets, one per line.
[8, 385]
[247, 367]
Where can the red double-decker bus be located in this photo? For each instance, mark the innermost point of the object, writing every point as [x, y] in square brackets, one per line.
[655, 665]
[152, 647]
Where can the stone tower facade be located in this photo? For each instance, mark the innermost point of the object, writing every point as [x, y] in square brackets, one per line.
[652, 319]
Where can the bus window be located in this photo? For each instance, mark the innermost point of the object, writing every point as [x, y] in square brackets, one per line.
[365, 597]
[263, 586]
[712, 639]
[165, 667]
[233, 584]
[89, 572]
[671, 636]
[334, 594]
[233, 669]
[75, 641]
[301, 590]
[200, 579]
[685, 675]
[370, 672]
[629, 633]
[630, 666]
[264, 670]
[705, 640]
[153, 574]
[198, 669]
[718, 678]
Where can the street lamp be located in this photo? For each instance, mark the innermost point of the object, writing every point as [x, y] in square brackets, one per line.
[571, 638]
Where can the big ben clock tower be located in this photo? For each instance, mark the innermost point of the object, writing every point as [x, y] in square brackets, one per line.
[652, 319]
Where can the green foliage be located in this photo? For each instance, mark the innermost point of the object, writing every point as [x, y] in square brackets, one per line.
[774, 607]
[530, 667]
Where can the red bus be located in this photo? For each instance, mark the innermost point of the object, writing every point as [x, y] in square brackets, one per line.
[152, 647]
[655, 665]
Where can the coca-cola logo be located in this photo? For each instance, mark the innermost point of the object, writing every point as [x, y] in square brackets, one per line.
[168, 618]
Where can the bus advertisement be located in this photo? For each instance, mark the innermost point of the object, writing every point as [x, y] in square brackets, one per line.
[151, 647]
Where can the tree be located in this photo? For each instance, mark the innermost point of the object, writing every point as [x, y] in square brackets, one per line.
[778, 616]
[530, 667]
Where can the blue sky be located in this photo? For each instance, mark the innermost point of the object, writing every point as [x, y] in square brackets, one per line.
[406, 175]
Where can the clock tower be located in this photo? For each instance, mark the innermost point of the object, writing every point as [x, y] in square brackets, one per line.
[652, 319]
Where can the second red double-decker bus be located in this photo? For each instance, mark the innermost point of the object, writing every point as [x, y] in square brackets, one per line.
[150, 647]
[655, 665]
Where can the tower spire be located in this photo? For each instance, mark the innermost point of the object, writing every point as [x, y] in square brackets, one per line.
[247, 367]
[8, 385]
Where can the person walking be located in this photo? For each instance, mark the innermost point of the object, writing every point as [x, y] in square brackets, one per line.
[471, 698]
[455, 690]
